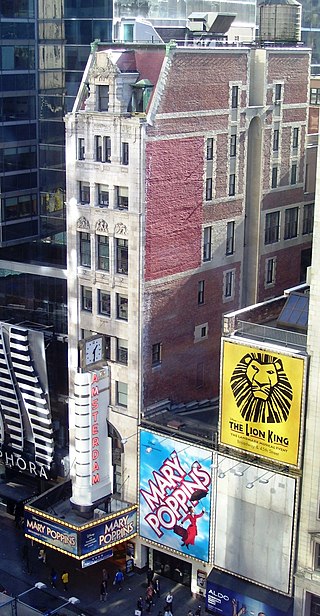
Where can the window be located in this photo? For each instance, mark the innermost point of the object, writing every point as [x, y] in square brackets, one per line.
[201, 332]
[271, 234]
[208, 189]
[104, 303]
[102, 149]
[233, 145]
[278, 90]
[293, 178]
[122, 307]
[107, 347]
[156, 354]
[86, 299]
[84, 190]
[103, 195]
[295, 138]
[125, 153]
[314, 605]
[291, 223]
[121, 256]
[122, 351]
[229, 284]
[107, 149]
[234, 97]
[210, 148]
[103, 98]
[317, 560]
[207, 244]
[98, 148]
[81, 149]
[103, 252]
[308, 212]
[315, 96]
[270, 270]
[122, 193]
[122, 393]
[85, 249]
[201, 292]
[274, 178]
[230, 238]
[232, 184]
[275, 145]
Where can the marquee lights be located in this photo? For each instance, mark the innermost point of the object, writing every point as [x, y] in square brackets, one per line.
[82, 526]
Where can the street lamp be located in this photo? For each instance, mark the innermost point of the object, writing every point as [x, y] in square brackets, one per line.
[72, 600]
[38, 585]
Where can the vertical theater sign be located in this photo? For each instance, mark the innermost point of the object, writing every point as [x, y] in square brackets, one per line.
[93, 446]
[175, 494]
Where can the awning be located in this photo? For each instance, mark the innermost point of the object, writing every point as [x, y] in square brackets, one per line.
[278, 603]
[16, 492]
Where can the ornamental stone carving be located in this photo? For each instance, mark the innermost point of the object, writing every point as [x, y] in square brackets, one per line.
[102, 226]
[83, 223]
[103, 72]
[120, 229]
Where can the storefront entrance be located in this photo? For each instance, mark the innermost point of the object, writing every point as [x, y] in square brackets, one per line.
[172, 568]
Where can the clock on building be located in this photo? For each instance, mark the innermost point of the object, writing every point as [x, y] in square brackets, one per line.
[92, 350]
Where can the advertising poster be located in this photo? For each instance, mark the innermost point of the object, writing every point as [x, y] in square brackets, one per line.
[220, 600]
[105, 534]
[261, 401]
[175, 494]
[53, 534]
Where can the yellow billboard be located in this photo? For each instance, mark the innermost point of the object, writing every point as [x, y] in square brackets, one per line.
[261, 401]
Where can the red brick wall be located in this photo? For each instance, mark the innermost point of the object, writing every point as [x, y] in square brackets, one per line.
[174, 196]
[200, 81]
[287, 271]
[295, 72]
[173, 312]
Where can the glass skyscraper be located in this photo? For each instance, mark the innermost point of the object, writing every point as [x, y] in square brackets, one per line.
[44, 48]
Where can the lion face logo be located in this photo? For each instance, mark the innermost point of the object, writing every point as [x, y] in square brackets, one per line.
[261, 388]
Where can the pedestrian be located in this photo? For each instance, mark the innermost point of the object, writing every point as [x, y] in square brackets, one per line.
[139, 608]
[103, 590]
[105, 575]
[150, 575]
[157, 587]
[42, 555]
[149, 597]
[118, 579]
[53, 578]
[65, 579]
[169, 601]
[198, 611]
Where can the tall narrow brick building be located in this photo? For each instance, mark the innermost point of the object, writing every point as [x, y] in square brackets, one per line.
[185, 176]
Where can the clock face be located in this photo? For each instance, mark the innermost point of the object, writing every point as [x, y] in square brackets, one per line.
[93, 351]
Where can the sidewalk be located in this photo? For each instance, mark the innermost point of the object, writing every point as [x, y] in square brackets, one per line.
[84, 583]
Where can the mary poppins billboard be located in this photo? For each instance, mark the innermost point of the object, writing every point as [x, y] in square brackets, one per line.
[175, 494]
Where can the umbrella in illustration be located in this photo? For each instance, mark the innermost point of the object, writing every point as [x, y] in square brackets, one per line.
[198, 495]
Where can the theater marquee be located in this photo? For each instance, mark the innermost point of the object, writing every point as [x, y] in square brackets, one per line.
[91, 539]
[261, 404]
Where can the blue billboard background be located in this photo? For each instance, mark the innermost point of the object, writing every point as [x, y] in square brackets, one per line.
[56, 535]
[221, 600]
[115, 530]
[175, 494]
